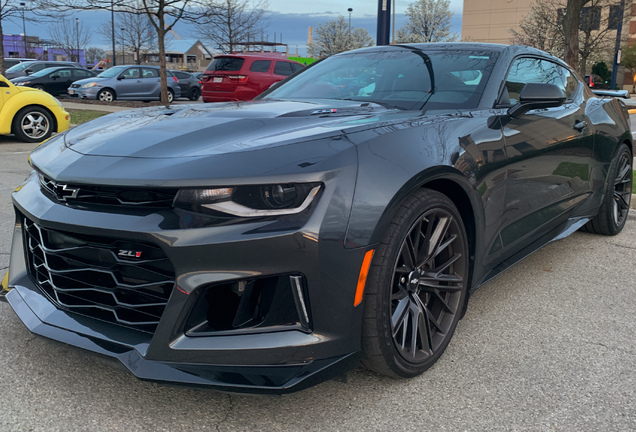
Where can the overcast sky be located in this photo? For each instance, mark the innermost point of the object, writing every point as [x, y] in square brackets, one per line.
[291, 18]
[360, 7]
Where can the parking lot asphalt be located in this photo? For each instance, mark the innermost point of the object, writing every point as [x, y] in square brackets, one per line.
[548, 345]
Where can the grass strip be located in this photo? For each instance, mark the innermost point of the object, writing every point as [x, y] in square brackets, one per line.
[82, 116]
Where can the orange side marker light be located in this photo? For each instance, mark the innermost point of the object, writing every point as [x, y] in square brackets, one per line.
[362, 279]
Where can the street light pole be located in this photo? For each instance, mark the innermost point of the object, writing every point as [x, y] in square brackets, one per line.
[77, 38]
[123, 53]
[24, 29]
[350, 10]
[112, 27]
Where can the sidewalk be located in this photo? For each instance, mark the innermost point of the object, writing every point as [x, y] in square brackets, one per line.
[95, 107]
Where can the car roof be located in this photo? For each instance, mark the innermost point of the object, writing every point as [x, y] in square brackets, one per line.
[257, 56]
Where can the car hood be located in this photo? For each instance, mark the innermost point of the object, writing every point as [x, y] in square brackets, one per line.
[203, 130]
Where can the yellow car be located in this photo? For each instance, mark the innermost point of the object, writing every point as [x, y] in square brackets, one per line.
[31, 115]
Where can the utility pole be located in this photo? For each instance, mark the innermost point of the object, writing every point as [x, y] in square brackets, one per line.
[617, 47]
[384, 22]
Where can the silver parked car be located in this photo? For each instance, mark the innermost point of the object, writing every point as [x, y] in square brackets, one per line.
[125, 83]
[26, 68]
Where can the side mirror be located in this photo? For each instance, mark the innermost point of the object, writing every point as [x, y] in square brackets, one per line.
[28, 71]
[120, 77]
[537, 96]
[55, 77]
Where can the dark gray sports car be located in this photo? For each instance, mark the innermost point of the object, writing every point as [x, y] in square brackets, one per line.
[346, 215]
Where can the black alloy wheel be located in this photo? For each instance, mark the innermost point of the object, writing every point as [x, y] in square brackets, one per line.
[416, 291]
[195, 93]
[614, 210]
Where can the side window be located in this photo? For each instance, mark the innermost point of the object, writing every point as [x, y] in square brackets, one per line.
[261, 66]
[181, 75]
[37, 67]
[149, 73]
[533, 70]
[64, 73]
[296, 67]
[131, 73]
[283, 68]
[79, 73]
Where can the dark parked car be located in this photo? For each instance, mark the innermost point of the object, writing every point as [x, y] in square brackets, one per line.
[29, 67]
[346, 214]
[12, 61]
[55, 80]
[189, 84]
[242, 77]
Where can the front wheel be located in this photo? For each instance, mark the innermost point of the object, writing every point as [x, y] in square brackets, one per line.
[170, 96]
[614, 210]
[32, 124]
[416, 289]
[106, 95]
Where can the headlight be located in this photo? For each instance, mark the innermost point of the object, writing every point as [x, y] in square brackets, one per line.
[250, 201]
[23, 83]
[92, 84]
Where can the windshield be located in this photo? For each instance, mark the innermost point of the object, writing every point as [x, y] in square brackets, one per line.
[112, 72]
[19, 67]
[397, 78]
[42, 73]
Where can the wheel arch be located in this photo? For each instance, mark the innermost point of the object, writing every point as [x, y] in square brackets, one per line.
[454, 185]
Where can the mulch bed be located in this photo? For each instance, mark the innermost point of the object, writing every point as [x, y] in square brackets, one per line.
[126, 104]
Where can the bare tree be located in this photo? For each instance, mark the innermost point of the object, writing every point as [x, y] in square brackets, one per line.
[336, 36]
[71, 36]
[9, 9]
[94, 55]
[135, 32]
[571, 22]
[544, 28]
[229, 23]
[427, 21]
[162, 15]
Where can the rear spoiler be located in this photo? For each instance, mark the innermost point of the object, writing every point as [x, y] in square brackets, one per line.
[613, 93]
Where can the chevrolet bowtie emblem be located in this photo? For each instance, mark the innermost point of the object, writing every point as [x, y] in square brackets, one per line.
[64, 192]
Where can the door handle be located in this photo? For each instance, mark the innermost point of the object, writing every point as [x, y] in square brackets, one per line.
[580, 125]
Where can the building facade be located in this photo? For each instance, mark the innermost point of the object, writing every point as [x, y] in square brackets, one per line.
[20, 46]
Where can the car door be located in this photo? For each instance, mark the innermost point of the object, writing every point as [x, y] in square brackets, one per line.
[128, 83]
[150, 83]
[59, 81]
[549, 152]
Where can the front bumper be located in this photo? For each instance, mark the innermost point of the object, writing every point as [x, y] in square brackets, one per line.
[263, 361]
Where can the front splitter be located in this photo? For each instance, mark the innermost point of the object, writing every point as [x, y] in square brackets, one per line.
[265, 379]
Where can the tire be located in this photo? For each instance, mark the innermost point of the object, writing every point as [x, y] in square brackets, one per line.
[614, 210]
[32, 124]
[170, 95]
[106, 95]
[411, 307]
[195, 93]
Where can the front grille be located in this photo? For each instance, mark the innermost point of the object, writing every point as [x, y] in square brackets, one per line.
[73, 194]
[119, 281]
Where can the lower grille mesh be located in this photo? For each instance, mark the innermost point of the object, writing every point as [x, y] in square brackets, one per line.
[89, 275]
